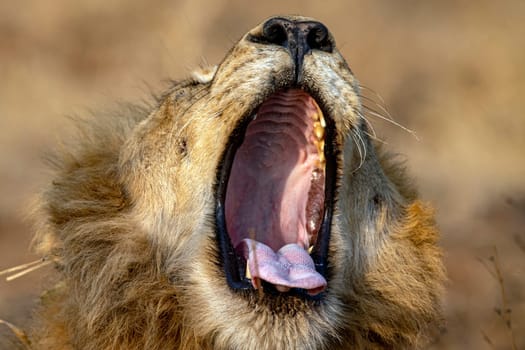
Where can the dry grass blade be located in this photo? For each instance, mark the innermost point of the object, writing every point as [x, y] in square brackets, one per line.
[26, 268]
[20, 267]
[486, 338]
[520, 242]
[506, 315]
[487, 267]
[20, 334]
[505, 312]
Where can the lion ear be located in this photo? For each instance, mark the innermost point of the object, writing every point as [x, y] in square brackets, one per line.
[204, 75]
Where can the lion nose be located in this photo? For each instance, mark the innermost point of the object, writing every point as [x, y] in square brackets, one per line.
[298, 37]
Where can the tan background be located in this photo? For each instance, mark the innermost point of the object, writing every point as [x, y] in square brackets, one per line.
[453, 71]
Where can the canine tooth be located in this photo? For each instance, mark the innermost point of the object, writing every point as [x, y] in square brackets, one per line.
[319, 144]
[321, 161]
[320, 150]
[321, 117]
[318, 113]
[310, 249]
[318, 130]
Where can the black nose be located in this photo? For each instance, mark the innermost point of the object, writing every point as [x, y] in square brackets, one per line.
[298, 37]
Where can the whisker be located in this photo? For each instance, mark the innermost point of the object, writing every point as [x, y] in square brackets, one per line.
[378, 104]
[370, 126]
[381, 104]
[404, 128]
[364, 147]
[375, 138]
[359, 142]
[383, 112]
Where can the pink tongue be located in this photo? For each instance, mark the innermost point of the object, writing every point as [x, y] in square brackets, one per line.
[290, 267]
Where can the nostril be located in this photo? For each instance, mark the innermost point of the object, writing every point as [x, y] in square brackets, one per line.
[319, 38]
[275, 31]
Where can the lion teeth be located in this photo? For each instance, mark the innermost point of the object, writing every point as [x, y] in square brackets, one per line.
[310, 249]
[320, 151]
[322, 121]
[318, 130]
[318, 116]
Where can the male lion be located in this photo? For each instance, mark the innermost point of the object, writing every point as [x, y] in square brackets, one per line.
[248, 210]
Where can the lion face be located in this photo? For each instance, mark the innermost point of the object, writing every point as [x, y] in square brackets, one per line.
[266, 134]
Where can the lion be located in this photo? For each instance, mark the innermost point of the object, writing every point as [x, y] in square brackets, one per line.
[248, 209]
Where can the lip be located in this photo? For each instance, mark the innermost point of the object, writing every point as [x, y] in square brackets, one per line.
[234, 265]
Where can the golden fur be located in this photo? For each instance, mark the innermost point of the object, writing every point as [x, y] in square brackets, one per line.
[129, 222]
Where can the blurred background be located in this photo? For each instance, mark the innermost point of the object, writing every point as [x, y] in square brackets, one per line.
[453, 71]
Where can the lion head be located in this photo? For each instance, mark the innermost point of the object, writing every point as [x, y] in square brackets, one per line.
[248, 209]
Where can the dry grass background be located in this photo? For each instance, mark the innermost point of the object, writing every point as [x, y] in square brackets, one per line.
[453, 71]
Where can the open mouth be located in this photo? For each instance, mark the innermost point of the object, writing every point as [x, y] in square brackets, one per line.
[275, 196]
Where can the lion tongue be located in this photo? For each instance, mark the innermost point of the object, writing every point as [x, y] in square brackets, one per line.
[290, 267]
